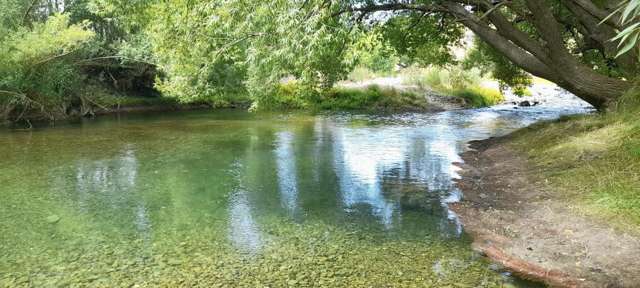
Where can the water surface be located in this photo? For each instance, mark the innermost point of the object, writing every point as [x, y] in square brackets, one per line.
[229, 198]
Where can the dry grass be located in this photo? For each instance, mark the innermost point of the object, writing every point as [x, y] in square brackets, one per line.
[593, 161]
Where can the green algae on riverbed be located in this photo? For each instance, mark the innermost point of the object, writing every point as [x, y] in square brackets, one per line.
[235, 199]
[294, 255]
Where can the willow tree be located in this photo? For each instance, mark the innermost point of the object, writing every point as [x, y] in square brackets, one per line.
[206, 47]
[562, 41]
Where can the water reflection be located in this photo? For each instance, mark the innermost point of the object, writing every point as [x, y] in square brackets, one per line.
[244, 231]
[390, 173]
[286, 167]
[358, 163]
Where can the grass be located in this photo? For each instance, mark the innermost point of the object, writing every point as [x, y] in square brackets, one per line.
[289, 96]
[373, 98]
[361, 73]
[593, 161]
[466, 84]
[100, 96]
[478, 96]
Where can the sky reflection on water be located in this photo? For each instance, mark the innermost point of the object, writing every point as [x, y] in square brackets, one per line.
[146, 179]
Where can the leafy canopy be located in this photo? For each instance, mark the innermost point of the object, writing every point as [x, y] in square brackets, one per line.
[35, 70]
[209, 49]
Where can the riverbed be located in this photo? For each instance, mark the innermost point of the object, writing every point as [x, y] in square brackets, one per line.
[230, 198]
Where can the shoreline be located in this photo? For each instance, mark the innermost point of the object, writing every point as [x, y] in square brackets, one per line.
[34, 122]
[517, 221]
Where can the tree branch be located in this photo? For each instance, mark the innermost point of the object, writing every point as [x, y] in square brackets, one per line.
[520, 38]
[390, 7]
[598, 13]
[81, 62]
[26, 13]
[513, 52]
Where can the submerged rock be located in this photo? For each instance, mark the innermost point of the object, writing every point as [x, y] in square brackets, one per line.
[524, 104]
[53, 219]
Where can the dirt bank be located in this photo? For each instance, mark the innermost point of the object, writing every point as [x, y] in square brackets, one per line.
[516, 220]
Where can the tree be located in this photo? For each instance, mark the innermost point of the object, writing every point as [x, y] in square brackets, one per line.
[627, 15]
[36, 70]
[549, 39]
[208, 48]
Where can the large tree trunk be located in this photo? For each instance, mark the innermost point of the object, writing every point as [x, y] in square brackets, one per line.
[550, 59]
[594, 88]
[544, 54]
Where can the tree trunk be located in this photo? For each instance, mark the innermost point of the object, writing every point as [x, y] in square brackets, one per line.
[593, 88]
[545, 55]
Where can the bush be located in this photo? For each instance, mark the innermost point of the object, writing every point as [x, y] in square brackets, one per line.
[455, 81]
[480, 96]
[292, 96]
[286, 96]
[373, 98]
[36, 73]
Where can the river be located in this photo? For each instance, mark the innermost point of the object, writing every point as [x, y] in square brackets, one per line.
[229, 198]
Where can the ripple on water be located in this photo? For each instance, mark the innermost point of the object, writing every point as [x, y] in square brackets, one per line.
[232, 198]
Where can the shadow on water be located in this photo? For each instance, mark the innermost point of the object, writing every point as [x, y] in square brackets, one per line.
[234, 198]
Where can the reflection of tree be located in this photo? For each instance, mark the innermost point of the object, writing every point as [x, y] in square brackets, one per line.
[106, 191]
[287, 174]
[244, 232]
[358, 163]
[393, 170]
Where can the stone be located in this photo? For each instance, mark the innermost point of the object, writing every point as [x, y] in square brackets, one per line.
[53, 219]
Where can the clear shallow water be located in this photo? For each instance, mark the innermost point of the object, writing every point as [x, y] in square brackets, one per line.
[230, 198]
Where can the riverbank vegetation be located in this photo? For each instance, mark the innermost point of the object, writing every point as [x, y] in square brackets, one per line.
[237, 52]
[456, 81]
[226, 52]
[372, 98]
[592, 161]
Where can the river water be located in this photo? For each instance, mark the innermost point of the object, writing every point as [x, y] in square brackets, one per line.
[235, 199]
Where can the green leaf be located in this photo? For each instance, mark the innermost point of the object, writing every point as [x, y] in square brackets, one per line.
[630, 44]
[626, 31]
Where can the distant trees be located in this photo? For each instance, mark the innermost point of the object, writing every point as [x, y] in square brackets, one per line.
[36, 69]
[205, 47]
[50, 48]
[206, 50]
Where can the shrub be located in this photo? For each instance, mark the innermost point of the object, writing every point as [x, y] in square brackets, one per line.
[372, 98]
[292, 96]
[36, 73]
[480, 96]
[455, 81]
[361, 74]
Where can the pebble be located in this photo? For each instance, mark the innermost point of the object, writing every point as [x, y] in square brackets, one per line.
[53, 219]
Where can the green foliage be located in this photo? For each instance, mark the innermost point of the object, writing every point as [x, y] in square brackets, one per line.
[456, 81]
[287, 96]
[36, 70]
[477, 96]
[629, 11]
[423, 40]
[209, 49]
[11, 16]
[293, 96]
[372, 98]
[374, 53]
[488, 60]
